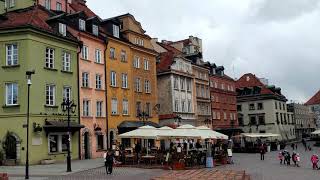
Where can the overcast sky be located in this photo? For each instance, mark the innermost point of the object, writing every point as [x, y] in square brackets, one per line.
[275, 39]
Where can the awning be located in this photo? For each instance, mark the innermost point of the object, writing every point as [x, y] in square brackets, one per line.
[316, 132]
[137, 124]
[258, 135]
[144, 132]
[62, 126]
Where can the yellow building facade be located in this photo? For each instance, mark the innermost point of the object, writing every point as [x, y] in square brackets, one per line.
[131, 77]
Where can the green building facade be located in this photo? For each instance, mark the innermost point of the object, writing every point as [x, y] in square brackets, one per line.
[54, 60]
[11, 5]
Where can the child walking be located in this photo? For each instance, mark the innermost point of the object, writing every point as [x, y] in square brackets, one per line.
[314, 161]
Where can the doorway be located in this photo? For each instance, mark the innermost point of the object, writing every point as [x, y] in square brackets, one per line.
[86, 145]
[11, 147]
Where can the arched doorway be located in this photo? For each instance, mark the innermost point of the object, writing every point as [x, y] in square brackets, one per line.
[86, 145]
[10, 146]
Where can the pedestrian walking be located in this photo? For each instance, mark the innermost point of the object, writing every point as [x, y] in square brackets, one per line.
[293, 157]
[262, 151]
[230, 156]
[287, 158]
[292, 146]
[314, 161]
[304, 143]
[280, 157]
[108, 161]
[297, 160]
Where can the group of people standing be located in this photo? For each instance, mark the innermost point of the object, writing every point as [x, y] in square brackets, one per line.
[285, 158]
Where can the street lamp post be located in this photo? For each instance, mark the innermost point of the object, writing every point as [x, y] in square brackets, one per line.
[68, 105]
[143, 116]
[28, 74]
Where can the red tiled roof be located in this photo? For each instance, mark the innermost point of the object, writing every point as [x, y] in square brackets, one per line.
[35, 16]
[250, 80]
[166, 58]
[170, 48]
[167, 116]
[315, 99]
[81, 6]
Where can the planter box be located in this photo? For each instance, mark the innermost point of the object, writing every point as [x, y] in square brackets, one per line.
[47, 161]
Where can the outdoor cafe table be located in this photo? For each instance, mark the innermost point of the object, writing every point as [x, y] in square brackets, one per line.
[148, 158]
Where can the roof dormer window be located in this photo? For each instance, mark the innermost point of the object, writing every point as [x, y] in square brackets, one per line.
[95, 30]
[116, 31]
[82, 25]
[47, 4]
[62, 29]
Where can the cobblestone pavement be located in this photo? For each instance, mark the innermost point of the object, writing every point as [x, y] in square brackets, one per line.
[270, 168]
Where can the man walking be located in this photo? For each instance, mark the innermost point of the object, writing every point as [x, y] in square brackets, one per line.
[262, 152]
[108, 161]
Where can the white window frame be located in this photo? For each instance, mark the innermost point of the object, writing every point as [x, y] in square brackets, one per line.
[86, 111]
[67, 93]
[124, 80]
[123, 56]
[50, 95]
[176, 105]
[138, 84]
[146, 64]
[114, 106]
[136, 62]
[113, 80]
[49, 58]
[85, 52]
[116, 31]
[98, 81]
[58, 6]
[125, 107]
[95, 30]
[63, 29]
[82, 25]
[66, 61]
[147, 86]
[189, 106]
[112, 53]
[47, 4]
[10, 93]
[59, 142]
[9, 3]
[12, 54]
[98, 56]
[99, 108]
[85, 79]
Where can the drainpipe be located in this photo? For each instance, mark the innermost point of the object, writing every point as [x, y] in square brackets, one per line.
[78, 85]
[105, 87]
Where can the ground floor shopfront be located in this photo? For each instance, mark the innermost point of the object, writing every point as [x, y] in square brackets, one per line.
[48, 139]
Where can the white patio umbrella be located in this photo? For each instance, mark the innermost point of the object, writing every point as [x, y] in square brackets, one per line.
[207, 133]
[316, 132]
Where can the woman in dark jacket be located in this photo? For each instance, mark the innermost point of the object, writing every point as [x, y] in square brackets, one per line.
[108, 160]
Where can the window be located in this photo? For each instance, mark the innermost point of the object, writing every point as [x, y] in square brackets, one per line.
[260, 106]
[112, 53]
[125, 107]
[99, 108]
[114, 106]
[85, 79]
[189, 106]
[218, 115]
[261, 120]
[85, 52]
[82, 25]
[240, 120]
[136, 62]
[62, 29]
[98, 56]
[251, 107]
[280, 105]
[284, 106]
[125, 81]
[188, 84]
[276, 105]
[11, 54]
[182, 83]
[183, 108]
[147, 87]
[113, 79]
[222, 86]
[95, 30]
[53, 143]
[138, 108]
[99, 142]
[239, 108]
[116, 31]
[148, 109]
[277, 118]
[11, 93]
[176, 105]
[49, 58]
[86, 108]
[123, 56]
[98, 81]
[253, 120]
[138, 85]
[9, 3]
[50, 95]
[214, 116]
[224, 115]
[176, 83]
[66, 62]
[67, 93]
[215, 85]
[47, 4]
[146, 64]
[59, 6]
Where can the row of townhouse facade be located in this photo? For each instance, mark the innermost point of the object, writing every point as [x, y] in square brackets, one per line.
[106, 67]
